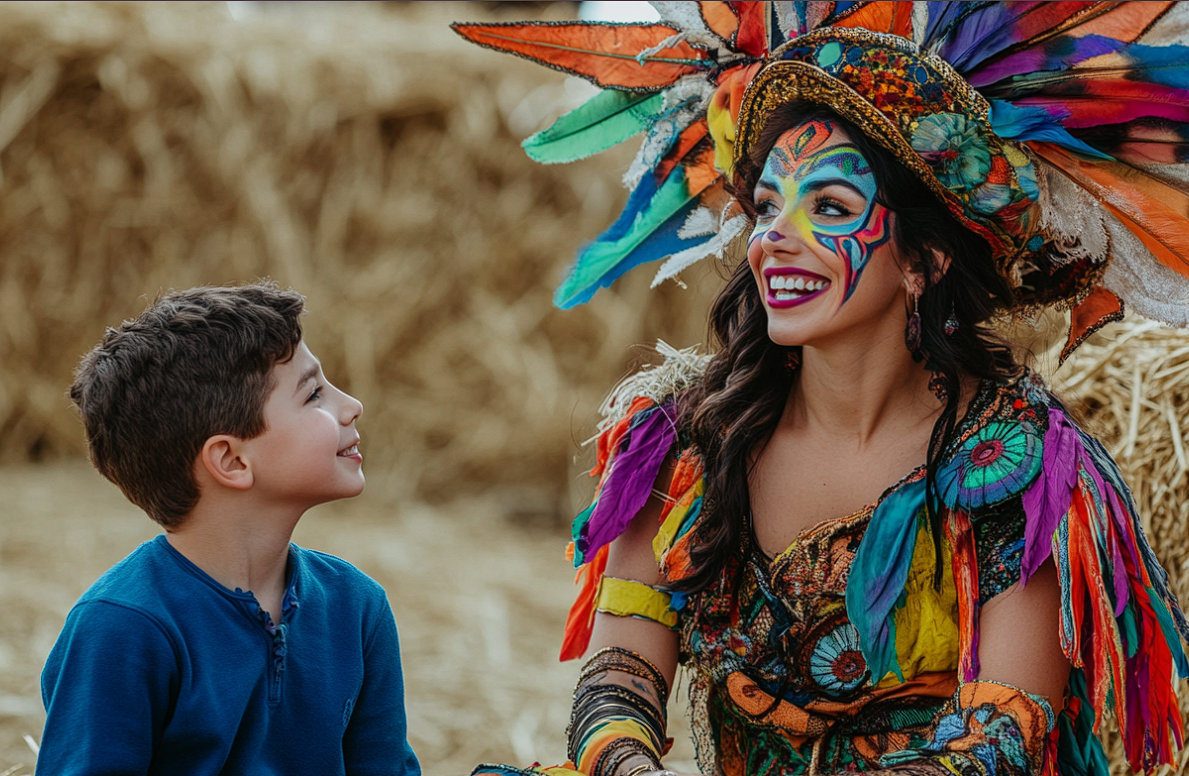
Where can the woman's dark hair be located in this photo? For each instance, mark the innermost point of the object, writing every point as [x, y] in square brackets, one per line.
[733, 411]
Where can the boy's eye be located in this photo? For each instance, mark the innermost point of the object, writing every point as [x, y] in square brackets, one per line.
[314, 395]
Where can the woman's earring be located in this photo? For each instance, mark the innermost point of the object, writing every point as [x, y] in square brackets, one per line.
[951, 323]
[939, 386]
[912, 332]
[792, 359]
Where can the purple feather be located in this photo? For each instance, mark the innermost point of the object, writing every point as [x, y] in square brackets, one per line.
[1050, 56]
[978, 34]
[1048, 498]
[633, 473]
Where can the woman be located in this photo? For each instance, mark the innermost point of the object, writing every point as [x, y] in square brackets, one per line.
[875, 540]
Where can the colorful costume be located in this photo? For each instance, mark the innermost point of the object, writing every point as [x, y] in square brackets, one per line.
[1057, 132]
[840, 652]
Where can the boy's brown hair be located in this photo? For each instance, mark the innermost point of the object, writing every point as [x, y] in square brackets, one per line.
[194, 364]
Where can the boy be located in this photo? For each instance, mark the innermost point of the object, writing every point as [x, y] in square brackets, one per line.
[219, 647]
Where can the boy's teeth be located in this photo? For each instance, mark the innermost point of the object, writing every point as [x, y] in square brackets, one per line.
[352, 450]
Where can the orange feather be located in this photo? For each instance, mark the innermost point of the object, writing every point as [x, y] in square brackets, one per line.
[893, 17]
[603, 53]
[1156, 212]
[580, 621]
[719, 17]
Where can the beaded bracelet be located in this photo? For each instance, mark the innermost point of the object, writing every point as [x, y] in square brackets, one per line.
[613, 726]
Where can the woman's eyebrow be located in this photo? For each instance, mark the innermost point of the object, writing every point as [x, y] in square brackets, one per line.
[769, 184]
[817, 185]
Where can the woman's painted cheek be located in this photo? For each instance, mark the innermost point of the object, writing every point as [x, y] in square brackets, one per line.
[854, 243]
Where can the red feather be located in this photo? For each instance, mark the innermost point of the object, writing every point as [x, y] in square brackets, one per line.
[752, 37]
[964, 561]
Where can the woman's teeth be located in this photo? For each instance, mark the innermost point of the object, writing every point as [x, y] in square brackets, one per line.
[793, 286]
[352, 450]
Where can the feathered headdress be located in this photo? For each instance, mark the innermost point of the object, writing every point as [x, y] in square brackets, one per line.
[1056, 130]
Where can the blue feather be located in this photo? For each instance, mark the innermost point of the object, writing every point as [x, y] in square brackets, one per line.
[1031, 122]
[645, 231]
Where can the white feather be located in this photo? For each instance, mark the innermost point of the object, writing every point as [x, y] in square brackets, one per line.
[686, 17]
[1142, 282]
[715, 246]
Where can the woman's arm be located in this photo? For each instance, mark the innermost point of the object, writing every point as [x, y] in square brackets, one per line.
[631, 557]
[618, 722]
[1000, 723]
[1019, 638]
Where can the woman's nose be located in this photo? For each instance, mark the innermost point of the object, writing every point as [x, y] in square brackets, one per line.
[781, 235]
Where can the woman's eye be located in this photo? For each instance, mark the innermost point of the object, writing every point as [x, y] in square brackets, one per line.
[766, 209]
[314, 395]
[830, 207]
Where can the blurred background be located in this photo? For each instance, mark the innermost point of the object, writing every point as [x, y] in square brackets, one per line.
[365, 155]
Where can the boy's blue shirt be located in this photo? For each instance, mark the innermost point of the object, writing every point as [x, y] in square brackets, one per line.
[162, 670]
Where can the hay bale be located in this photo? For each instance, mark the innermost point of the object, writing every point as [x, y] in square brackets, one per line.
[361, 153]
[1130, 387]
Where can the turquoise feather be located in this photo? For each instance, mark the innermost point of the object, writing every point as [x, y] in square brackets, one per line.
[878, 574]
[605, 120]
[600, 263]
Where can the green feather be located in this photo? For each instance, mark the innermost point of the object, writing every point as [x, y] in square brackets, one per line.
[607, 119]
[578, 527]
[1129, 633]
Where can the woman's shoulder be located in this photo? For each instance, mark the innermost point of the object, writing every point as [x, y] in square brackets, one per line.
[638, 434]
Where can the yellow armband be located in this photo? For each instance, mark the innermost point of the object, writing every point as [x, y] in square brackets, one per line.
[628, 598]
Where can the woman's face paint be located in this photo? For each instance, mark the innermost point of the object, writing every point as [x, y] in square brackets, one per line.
[824, 194]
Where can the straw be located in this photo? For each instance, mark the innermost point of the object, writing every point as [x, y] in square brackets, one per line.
[362, 153]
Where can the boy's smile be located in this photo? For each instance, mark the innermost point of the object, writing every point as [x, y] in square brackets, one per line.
[309, 451]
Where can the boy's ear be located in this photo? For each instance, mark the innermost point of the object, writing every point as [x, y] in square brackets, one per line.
[221, 457]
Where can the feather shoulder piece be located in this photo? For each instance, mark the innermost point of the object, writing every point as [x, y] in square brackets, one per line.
[1121, 627]
[637, 435]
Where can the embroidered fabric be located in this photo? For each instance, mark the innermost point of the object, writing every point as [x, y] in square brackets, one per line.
[987, 729]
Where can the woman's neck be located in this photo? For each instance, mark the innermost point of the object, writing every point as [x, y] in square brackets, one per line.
[860, 386]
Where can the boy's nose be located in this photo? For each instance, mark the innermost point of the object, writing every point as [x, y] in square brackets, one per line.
[352, 408]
